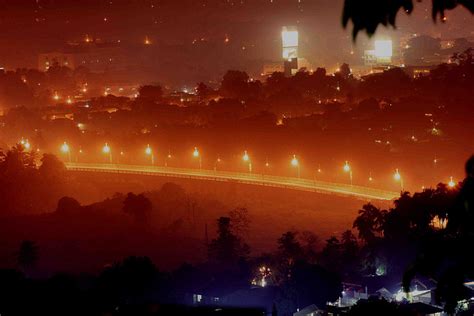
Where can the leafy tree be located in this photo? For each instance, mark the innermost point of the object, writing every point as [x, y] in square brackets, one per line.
[139, 206]
[375, 306]
[67, 204]
[314, 285]
[289, 247]
[369, 223]
[27, 256]
[309, 244]
[368, 15]
[345, 71]
[240, 220]
[227, 247]
[235, 84]
[127, 281]
[150, 93]
[442, 254]
[203, 91]
[52, 168]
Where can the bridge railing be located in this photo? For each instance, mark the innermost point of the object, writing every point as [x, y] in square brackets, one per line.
[249, 178]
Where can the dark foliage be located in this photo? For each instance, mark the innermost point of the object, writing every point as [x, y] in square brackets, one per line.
[369, 14]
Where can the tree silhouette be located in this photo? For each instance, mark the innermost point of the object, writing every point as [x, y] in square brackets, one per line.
[150, 93]
[68, 204]
[369, 223]
[369, 14]
[235, 84]
[127, 281]
[27, 256]
[139, 206]
[227, 247]
[289, 247]
[443, 254]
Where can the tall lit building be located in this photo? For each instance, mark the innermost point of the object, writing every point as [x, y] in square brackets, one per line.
[381, 54]
[290, 41]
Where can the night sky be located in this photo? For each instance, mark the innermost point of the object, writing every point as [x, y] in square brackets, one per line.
[210, 35]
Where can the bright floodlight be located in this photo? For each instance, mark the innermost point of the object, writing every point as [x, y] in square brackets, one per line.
[246, 157]
[294, 161]
[383, 49]
[196, 152]
[106, 149]
[65, 148]
[289, 37]
[148, 150]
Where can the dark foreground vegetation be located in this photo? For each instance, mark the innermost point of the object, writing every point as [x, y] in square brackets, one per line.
[424, 235]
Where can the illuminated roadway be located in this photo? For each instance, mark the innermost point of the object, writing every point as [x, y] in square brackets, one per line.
[361, 192]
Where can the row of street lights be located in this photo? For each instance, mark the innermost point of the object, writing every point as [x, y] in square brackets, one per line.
[295, 163]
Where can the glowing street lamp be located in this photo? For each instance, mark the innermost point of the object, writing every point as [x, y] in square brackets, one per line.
[218, 161]
[197, 155]
[66, 150]
[451, 183]
[246, 159]
[295, 163]
[347, 168]
[371, 179]
[398, 177]
[149, 152]
[267, 167]
[246, 156]
[168, 158]
[107, 151]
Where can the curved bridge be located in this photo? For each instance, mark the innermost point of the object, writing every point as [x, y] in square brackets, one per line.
[361, 192]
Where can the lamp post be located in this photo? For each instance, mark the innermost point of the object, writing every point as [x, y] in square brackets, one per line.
[451, 183]
[267, 167]
[168, 158]
[66, 150]
[197, 155]
[246, 159]
[347, 168]
[398, 177]
[295, 163]
[149, 152]
[107, 151]
[218, 161]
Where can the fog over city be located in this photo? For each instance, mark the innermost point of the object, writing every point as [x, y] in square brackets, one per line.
[248, 157]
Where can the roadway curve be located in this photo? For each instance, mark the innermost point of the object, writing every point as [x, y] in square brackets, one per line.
[361, 192]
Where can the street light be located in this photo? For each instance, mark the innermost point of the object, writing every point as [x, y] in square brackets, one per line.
[149, 152]
[295, 163]
[106, 150]
[66, 150]
[218, 161]
[347, 168]
[168, 157]
[246, 158]
[267, 167]
[451, 183]
[398, 177]
[370, 177]
[197, 155]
